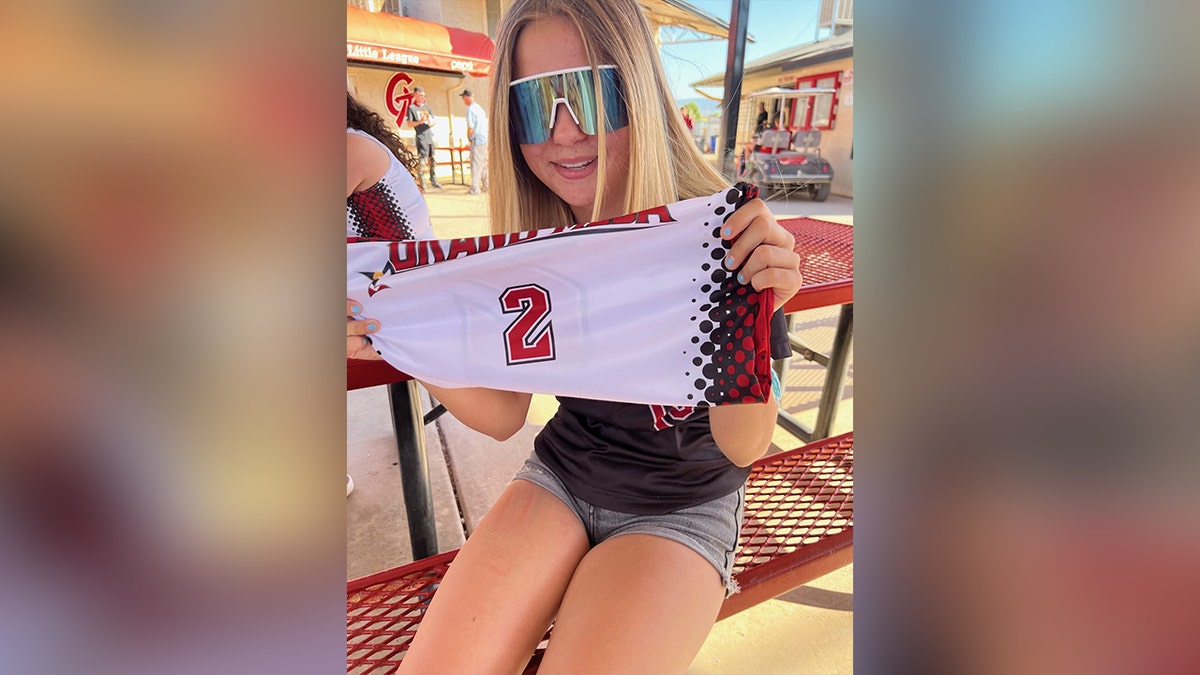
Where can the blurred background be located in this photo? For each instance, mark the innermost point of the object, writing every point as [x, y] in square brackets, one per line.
[171, 432]
[172, 429]
[1026, 230]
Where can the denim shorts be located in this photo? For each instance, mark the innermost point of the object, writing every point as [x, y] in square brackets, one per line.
[710, 529]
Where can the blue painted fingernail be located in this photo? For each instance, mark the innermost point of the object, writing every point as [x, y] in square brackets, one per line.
[374, 326]
[729, 261]
[741, 279]
[355, 309]
[726, 231]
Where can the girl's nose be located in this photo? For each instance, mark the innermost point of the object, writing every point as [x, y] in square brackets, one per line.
[565, 131]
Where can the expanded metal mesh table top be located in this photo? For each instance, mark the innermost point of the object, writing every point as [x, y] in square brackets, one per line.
[796, 502]
[826, 253]
[384, 610]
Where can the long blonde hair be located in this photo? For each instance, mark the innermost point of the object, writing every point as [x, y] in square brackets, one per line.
[664, 164]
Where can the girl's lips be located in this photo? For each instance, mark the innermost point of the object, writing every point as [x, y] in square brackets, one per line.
[575, 169]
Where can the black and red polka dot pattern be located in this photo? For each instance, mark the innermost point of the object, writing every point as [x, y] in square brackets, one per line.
[732, 344]
[375, 213]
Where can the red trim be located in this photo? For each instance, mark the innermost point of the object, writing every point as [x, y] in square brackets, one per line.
[811, 81]
[419, 565]
[821, 295]
[780, 575]
[361, 373]
[833, 107]
[403, 42]
[762, 338]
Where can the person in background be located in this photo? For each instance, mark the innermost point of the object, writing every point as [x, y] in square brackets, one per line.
[585, 129]
[421, 119]
[760, 125]
[760, 122]
[687, 119]
[477, 137]
[775, 125]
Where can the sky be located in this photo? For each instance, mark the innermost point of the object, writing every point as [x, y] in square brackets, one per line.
[775, 24]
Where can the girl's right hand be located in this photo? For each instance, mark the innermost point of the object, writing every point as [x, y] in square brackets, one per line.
[358, 345]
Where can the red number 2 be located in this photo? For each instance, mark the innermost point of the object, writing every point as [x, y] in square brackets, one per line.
[530, 337]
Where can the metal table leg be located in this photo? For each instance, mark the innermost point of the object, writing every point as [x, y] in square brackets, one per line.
[408, 422]
[835, 372]
[835, 378]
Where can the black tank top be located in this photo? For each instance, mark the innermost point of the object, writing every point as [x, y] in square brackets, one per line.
[638, 458]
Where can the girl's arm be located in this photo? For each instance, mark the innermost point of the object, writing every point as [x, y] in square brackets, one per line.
[743, 431]
[366, 163]
[763, 257]
[499, 414]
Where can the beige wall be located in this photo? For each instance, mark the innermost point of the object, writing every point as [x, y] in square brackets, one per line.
[369, 84]
[466, 14]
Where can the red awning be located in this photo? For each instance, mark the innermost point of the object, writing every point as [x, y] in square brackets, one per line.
[376, 37]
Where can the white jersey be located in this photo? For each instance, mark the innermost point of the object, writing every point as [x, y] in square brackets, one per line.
[637, 309]
[392, 208]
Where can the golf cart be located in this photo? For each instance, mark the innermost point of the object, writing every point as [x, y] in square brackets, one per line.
[783, 160]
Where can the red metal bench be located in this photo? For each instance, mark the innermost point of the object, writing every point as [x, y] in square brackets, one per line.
[799, 525]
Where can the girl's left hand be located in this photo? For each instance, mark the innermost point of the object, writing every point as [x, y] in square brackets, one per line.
[358, 346]
[763, 254]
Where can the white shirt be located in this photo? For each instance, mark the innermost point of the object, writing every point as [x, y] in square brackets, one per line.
[393, 208]
[478, 124]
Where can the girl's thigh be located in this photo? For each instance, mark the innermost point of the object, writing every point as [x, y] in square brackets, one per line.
[502, 591]
[637, 603]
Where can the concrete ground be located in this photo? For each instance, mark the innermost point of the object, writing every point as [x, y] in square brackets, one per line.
[809, 630]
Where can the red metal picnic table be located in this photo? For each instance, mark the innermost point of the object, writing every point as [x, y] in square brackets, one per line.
[826, 251]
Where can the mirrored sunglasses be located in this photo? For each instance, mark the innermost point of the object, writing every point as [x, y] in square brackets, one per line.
[533, 102]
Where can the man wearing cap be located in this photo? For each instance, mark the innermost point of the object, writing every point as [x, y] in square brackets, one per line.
[421, 119]
[477, 133]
